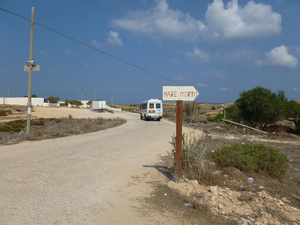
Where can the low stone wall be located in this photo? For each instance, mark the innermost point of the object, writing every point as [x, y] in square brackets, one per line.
[22, 101]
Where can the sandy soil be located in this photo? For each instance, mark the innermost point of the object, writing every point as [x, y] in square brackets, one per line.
[108, 177]
[96, 178]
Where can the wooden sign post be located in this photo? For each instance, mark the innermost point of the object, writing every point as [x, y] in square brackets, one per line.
[179, 93]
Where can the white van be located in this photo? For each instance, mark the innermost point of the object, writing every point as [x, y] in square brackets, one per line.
[152, 109]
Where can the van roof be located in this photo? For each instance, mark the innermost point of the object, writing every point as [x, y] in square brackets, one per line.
[152, 100]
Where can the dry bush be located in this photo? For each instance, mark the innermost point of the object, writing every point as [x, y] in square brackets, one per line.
[196, 161]
[53, 128]
[192, 109]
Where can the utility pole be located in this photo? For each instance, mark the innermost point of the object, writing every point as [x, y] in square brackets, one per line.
[30, 67]
[3, 97]
[81, 91]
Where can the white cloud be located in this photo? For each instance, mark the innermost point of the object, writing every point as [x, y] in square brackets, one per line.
[223, 89]
[178, 78]
[86, 65]
[279, 57]
[201, 85]
[230, 22]
[295, 89]
[114, 39]
[68, 52]
[235, 22]
[97, 44]
[43, 52]
[162, 21]
[198, 55]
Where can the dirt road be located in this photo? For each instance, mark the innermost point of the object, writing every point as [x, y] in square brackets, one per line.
[96, 178]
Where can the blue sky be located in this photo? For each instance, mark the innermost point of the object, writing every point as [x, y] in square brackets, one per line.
[221, 47]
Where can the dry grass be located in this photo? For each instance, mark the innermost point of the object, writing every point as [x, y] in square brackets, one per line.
[54, 128]
[208, 173]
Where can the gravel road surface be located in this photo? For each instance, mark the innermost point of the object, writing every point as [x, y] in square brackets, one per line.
[95, 178]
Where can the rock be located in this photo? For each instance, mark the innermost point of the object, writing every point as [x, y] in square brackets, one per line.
[213, 189]
[192, 182]
[220, 206]
[246, 198]
[217, 172]
[186, 188]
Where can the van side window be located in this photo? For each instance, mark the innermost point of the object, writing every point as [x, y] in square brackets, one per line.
[151, 105]
[158, 105]
[144, 106]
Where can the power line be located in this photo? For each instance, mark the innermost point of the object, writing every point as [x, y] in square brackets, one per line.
[95, 49]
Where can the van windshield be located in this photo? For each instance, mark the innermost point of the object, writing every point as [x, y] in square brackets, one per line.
[151, 105]
[158, 105]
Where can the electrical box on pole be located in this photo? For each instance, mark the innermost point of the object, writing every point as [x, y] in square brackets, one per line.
[179, 94]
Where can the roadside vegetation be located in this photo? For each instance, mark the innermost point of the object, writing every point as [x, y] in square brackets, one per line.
[253, 158]
[14, 131]
[261, 108]
[228, 155]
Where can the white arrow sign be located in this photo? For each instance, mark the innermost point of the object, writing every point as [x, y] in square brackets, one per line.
[184, 93]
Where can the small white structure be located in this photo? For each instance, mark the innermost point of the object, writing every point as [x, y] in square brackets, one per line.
[101, 105]
[96, 105]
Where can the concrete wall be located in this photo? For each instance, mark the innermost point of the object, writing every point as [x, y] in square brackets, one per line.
[22, 101]
[52, 105]
[113, 109]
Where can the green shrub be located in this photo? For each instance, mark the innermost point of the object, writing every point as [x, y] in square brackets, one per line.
[13, 126]
[215, 118]
[261, 107]
[253, 157]
[40, 122]
[74, 103]
[52, 99]
[5, 112]
[292, 113]
[233, 113]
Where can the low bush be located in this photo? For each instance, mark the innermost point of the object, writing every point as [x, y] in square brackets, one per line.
[216, 118]
[5, 112]
[195, 160]
[233, 113]
[13, 126]
[193, 149]
[191, 109]
[40, 122]
[253, 157]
